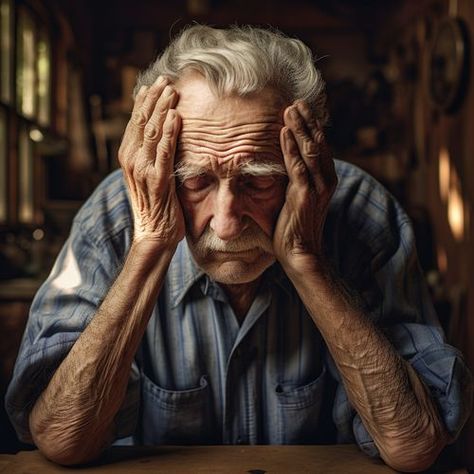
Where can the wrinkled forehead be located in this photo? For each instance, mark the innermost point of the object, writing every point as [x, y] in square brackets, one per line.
[196, 98]
[230, 128]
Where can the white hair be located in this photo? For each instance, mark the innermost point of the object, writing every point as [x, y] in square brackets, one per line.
[243, 60]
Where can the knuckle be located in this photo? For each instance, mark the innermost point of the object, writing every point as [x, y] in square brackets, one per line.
[139, 118]
[303, 107]
[151, 131]
[162, 114]
[300, 171]
[154, 92]
[168, 134]
[310, 148]
[164, 152]
[299, 128]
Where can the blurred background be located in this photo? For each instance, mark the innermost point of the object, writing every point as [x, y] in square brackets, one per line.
[398, 75]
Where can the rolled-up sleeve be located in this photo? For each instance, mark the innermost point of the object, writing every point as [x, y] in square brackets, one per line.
[442, 369]
[385, 272]
[61, 310]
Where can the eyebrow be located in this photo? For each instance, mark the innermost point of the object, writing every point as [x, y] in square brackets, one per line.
[186, 171]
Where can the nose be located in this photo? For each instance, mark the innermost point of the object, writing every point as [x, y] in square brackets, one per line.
[226, 221]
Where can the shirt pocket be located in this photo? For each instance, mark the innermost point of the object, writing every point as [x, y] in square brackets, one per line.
[176, 416]
[298, 411]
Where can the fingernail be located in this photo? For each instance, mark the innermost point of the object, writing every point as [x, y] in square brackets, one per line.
[142, 90]
[159, 80]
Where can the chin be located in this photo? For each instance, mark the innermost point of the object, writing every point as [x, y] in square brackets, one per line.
[235, 272]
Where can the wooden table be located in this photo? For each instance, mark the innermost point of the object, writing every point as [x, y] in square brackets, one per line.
[343, 459]
[340, 459]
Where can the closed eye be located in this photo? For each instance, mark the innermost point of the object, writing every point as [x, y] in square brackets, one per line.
[197, 183]
[259, 183]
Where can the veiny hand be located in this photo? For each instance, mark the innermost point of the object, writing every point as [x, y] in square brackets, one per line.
[146, 156]
[297, 239]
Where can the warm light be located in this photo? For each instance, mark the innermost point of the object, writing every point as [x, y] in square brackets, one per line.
[36, 135]
[44, 80]
[29, 77]
[5, 50]
[456, 207]
[443, 173]
[38, 234]
[442, 259]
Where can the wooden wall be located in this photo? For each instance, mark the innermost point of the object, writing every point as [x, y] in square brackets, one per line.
[453, 133]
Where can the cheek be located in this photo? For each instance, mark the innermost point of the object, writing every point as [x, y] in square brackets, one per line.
[265, 212]
[197, 213]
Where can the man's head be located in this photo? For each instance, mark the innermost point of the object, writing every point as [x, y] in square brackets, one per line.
[233, 87]
[243, 61]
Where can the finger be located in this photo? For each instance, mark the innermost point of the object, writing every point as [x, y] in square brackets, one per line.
[144, 105]
[140, 98]
[309, 149]
[295, 166]
[129, 134]
[316, 132]
[154, 128]
[166, 149]
[316, 154]
[314, 127]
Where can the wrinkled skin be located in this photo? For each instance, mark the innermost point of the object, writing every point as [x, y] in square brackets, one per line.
[146, 157]
[218, 136]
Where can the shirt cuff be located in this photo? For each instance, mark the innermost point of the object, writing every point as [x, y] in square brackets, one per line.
[449, 381]
[34, 369]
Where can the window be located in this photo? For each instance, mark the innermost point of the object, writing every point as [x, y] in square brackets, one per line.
[26, 64]
[44, 78]
[26, 182]
[3, 167]
[6, 48]
[35, 41]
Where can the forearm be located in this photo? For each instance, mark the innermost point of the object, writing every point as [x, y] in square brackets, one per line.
[72, 421]
[393, 403]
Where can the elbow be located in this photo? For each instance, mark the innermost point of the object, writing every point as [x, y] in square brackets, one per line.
[64, 452]
[409, 464]
[66, 457]
[416, 456]
[61, 447]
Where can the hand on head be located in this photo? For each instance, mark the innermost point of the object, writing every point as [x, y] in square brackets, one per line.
[312, 182]
[146, 156]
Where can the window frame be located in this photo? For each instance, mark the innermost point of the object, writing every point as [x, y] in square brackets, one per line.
[46, 26]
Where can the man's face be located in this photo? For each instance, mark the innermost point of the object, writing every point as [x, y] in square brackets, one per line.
[231, 178]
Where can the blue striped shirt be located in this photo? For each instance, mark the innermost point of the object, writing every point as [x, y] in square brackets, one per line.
[200, 377]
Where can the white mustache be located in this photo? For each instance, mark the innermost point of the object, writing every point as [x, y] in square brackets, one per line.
[251, 238]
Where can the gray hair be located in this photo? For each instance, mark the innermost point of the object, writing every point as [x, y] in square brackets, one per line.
[243, 60]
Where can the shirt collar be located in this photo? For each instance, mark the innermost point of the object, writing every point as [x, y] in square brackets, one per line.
[183, 273]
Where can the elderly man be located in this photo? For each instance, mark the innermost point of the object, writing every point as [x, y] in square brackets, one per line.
[296, 270]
